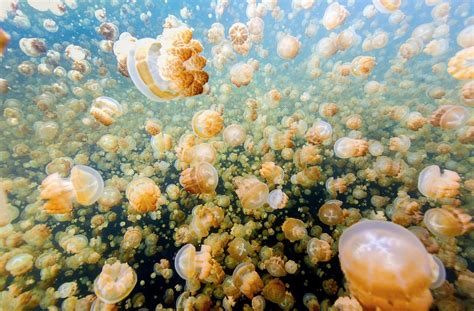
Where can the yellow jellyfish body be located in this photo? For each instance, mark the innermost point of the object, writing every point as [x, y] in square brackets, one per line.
[449, 116]
[105, 110]
[448, 221]
[460, 66]
[59, 194]
[87, 183]
[277, 199]
[346, 147]
[143, 195]
[320, 132]
[252, 193]
[207, 123]
[19, 264]
[436, 185]
[387, 6]
[294, 229]
[331, 213]
[115, 282]
[247, 280]
[234, 135]
[202, 177]
[288, 47]
[190, 263]
[387, 267]
[334, 16]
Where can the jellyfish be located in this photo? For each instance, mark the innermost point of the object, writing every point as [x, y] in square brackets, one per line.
[272, 173]
[115, 282]
[331, 213]
[247, 280]
[436, 185]
[143, 195]
[238, 33]
[191, 264]
[19, 264]
[204, 217]
[449, 117]
[234, 135]
[362, 65]
[334, 16]
[288, 47]
[33, 47]
[200, 178]
[465, 38]
[252, 193]
[318, 251]
[294, 229]
[399, 144]
[105, 110]
[87, 183]
[241, 74]
[4, 40]
[346, 147]
[277, 199]
[387, 6]
[320, 132]
[371, 247]
[207, 123]
[460, 67]
[448, 221]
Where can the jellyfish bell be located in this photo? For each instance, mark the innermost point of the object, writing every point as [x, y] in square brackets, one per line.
[105, 110]
[277, 199]
[190, 263]
[88, 184]
[320, 132]
[234, 135]
[241, 74]
[436, 185]
[115, 282]
[247, 280]
[33, 47]
[288, 47]
[346, 147]
[334, 16]
[252, 193]
[330, 213]
[387, 6]
[448, 221]
[207, 123]
[460, 65]
[143, 195]
[449, 117]
[465, 39]
[369, 247]
[201, 178]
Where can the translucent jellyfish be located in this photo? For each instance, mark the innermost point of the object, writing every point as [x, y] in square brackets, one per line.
[277, 199]
[19, 264]
[67, 289]
[190, 264]
[467, 93]
[346, 39]
[460, 66]
[465, 39]
[234, 135]
[238, 33]
[109, 31]
[294, 229]
[33, 47]
[143, 195]
[272, 173]
[436, 47]
[288, 47]
[387, 6]
[404, 269]
[241, 74]
[449, 116]
[320, 132]
[87, 183]
[327, 46]
[59, 194]
[399, 144]
[362, 65]
[252, 193]
[105, 110]
[50, 25]
[334, 16]
[202, 177]
[204, 217]
[436, 185]
[207, 123]
[247, 280]
[318, 250]
[448, 221]
[346, 147]
[74, 244]
[331, 213]
[215, 34]
[115, 282]
[160, 144]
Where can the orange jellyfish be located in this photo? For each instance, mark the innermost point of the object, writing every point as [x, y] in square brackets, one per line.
[277, 199]
[105, 110]
[362, 66]
[436, 185]
[331, 213]
[252, 193]
[143, 195]
[448, 221]
[387, 6]
[346, 147]
[247, 280]
[320, 132]
[460, 65]
[207, 123]
[294, 229]
[200, 178]
[449, 117]
[234, 135]
[387, 267]
[115, 282]
[87, 183]
[334, 16]
[288, 47]
[190, 264]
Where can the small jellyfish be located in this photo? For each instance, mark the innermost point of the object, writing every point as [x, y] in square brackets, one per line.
[143, 195]
[362, 66]
[460, 65]
[318, 250]
[88, 184]
[331, 213]
[272, 173]
[448, 221]
[207, 123]
[238, 33]
[115, 282]
[449, 117]
[204, 217]
[334, 16]
[371, 247]
[294, 229]
[234, 135]
[288, 47]
[33, 47]
[241, 74]
[200, 178]
[320, 132]
[247, 280]
[252, 193]
[59, 194]
[277, 199]
[387, 6]
[190, 264]
[399, 144]
[465, 39]
[105, 110]
[346, 147]
[436, 185]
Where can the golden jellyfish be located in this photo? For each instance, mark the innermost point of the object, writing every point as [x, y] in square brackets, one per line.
[241, 74]
[334, 16]
[467, 93]
[449, 116]
[387, 6]
[247, 280]
[320, 132]
[346, 39]
[272, 173]
[415, 121]
[252, 193]
[448, 221]
[160, 144]
[143, 195]
[327, 46]
[204, 217]
[108, 143]
[465, 39]
[4, 40]
[436, 185]
[331, 213]
[87, 183]
[19, 264]
[354, 122]
[238, 33]
[294, 229]
[207, 123]
[234, 135]
[399, 144]
[239, 248]
[191, 264]
[105, 110]
[33, 47]
[201, 178]
[436, 47]
[460, 65]
[108, 30]
[362, 66]
[307, 177]
[277, 199]
[346, 147]
[371, 247]
[115, 282]
[318, 250]
[168, 67]
[59, 194]
[288, 47]
[215, 34]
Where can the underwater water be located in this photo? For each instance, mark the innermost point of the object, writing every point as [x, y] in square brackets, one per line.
[236, 155]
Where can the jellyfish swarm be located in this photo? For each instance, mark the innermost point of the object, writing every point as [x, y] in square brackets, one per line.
[170, 66]
[85, 186]
[115, 282]
[387, 267]
[434, 185]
